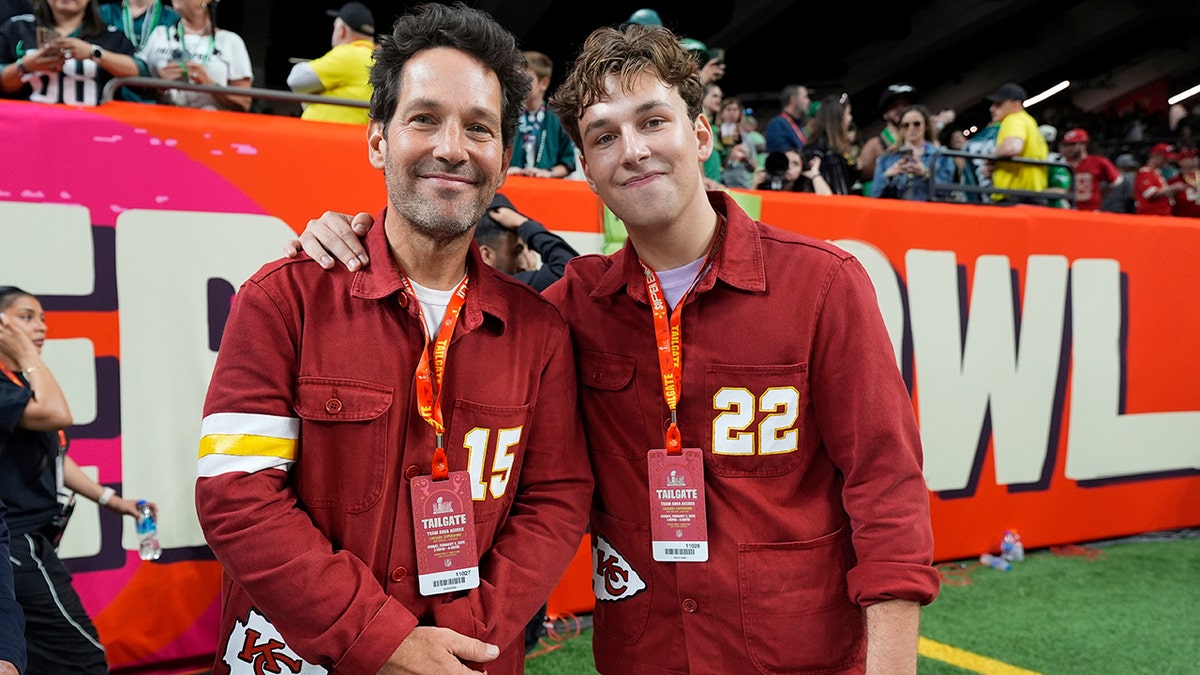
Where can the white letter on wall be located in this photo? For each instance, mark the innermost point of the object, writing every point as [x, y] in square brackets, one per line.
[956, 383]
[887, 289]
[164, 261]
[57, 257]
[1103, 443]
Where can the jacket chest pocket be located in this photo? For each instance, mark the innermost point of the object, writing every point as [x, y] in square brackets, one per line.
[757, 417]
[609, 397]
[488, 441]
[342, 462]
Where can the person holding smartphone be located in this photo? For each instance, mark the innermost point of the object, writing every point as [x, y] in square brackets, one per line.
[196, 50]
[905, 170]
[76, 54]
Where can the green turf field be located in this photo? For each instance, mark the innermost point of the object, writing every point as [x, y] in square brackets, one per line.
[1122, 608]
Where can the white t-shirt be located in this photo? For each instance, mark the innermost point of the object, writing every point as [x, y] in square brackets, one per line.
[225, 58]
[676, 282]
[433, 306]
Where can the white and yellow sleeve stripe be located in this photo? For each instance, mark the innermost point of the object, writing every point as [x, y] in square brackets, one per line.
[246, 443]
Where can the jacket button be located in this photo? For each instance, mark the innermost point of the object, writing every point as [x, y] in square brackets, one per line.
[412, 472]
[402, 298]
[398, 574]
[333, 406]
[689, 605]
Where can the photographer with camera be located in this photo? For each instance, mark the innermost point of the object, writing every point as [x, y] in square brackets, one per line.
[786, 171]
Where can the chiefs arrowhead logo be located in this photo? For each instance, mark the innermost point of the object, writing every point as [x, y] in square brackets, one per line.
[613, 578]
[256, 647]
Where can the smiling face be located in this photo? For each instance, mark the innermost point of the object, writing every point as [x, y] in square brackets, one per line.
[641, 152]
[441, 152]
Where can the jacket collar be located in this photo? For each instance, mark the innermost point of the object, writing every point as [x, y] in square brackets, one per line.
[381, 279]
[739, 262]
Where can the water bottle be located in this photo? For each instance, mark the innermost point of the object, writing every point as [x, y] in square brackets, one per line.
[1011, 547]
[147, 530]
[995, 562]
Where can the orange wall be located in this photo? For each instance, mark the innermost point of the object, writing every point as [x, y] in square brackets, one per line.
[1120, 407]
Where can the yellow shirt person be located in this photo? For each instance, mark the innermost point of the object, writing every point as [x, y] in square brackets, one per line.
[1018, 137]
[343, 71]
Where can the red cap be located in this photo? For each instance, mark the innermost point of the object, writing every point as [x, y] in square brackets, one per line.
[1075, 136]
[1164, 149]
[1187, 152]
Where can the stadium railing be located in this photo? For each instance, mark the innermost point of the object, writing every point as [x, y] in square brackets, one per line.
[116, 84]
[982, 194]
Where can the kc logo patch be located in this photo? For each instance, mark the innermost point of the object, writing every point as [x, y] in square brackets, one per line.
[613, 578]
[256, 648]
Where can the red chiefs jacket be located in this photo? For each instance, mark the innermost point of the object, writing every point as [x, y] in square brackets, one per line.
[816, 504]
[311, 435]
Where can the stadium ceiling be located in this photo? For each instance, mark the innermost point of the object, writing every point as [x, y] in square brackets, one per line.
[954, 52]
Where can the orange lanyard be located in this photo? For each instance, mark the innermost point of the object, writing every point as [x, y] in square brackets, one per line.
[668, 331]
[429, 376]
[12, 377]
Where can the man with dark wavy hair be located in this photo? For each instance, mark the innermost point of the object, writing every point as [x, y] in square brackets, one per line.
[392, 469]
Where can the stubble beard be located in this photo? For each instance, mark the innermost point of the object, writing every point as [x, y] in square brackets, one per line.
[426, 213]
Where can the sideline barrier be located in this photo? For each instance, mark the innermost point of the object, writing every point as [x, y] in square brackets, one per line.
[1048, 352]
[961, 192]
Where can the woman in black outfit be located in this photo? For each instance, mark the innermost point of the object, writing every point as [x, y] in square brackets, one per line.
[34, 469]
[830, 141]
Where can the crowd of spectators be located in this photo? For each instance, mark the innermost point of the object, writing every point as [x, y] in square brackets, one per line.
[66, 52]
[1132, 161]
